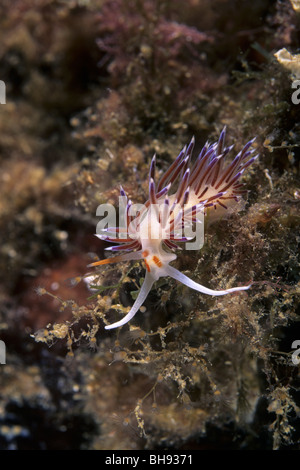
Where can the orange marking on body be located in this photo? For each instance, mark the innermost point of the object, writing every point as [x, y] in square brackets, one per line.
[147, 266]
[157, 261]
[145, 253]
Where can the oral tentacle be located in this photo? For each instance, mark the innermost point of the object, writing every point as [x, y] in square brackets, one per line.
[145, 289]
[136, 255]
[178, 276]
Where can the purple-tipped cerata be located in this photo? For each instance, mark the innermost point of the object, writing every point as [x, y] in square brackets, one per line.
[152, 234]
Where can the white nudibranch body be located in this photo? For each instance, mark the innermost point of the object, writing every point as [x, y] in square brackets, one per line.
[152, 234]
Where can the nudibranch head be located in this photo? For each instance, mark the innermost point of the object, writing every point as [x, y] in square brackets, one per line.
[167, 218]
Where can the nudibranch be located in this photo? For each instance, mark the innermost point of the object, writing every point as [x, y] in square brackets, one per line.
[152, 234]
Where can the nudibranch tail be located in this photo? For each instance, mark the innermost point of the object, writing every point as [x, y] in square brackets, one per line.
[153, 232]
